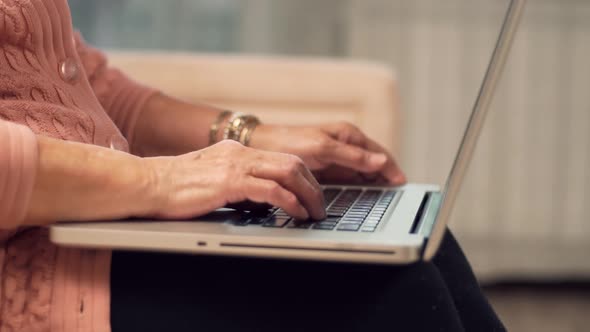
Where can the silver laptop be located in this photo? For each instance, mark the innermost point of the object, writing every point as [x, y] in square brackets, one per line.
[388, 225]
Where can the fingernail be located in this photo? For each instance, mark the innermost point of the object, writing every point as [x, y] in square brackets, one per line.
[378, 158]
[400, 179]
[305, 214]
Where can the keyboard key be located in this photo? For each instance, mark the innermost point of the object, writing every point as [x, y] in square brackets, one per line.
[327, 222]
[301, 224]
[277, 221]
[349, 196]
[257, 220]
[335, 213]
[348, 227]
[330, 194]
[387, 198]
[368, 229]
[322, 226]
[362, 214]
[350, 222]
[354, 192]
[341, 205]
[355, 218]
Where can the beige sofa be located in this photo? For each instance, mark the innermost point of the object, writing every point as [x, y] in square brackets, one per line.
[278, 90]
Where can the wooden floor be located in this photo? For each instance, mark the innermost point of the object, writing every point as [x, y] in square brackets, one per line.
[542, 308]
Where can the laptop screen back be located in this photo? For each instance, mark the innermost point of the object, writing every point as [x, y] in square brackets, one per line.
[475, 123]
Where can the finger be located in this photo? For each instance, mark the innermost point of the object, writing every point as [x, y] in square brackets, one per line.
[268, 191]
[292, 174]
[351, 134]
[369, 177]
[335, 174]
[309, 176]
[346, 133]
[354, 157]
[393, 173]
[391, 170]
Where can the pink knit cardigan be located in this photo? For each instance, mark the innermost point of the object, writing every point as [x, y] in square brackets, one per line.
[52, 84]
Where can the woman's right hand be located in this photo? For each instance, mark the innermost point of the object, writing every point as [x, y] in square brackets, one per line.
[228, 172]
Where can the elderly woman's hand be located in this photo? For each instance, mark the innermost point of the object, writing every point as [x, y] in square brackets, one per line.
[337, 152]
[227, 172]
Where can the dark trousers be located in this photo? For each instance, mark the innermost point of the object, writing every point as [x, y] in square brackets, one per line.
[170, 292]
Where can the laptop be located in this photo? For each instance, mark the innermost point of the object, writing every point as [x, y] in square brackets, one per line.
[365, 224]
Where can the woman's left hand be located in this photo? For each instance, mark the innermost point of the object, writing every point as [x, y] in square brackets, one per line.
[338, 152]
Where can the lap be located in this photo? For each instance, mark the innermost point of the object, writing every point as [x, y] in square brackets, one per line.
[154, 292]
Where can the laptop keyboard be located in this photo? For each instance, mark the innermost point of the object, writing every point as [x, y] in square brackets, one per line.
[349, 210]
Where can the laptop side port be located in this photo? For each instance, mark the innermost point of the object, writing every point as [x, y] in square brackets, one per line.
[416, 225]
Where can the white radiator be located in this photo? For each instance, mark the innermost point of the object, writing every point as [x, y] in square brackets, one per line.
[525, 206]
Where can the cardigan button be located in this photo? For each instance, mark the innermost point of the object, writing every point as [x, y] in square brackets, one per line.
[69, 70]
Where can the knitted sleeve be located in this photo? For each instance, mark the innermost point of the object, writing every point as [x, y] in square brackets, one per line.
[121, 97]
[18, 167]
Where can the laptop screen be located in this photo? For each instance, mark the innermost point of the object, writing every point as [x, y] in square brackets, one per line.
[476, 120]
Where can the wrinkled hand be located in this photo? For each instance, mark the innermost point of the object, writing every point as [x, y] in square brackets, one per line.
[338, 152]
[227, 172]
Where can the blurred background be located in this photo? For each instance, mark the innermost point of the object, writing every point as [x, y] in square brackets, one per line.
[523, 216]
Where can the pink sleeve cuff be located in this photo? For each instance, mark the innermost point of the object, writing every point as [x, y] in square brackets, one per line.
[18, 167]
[123, 99]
